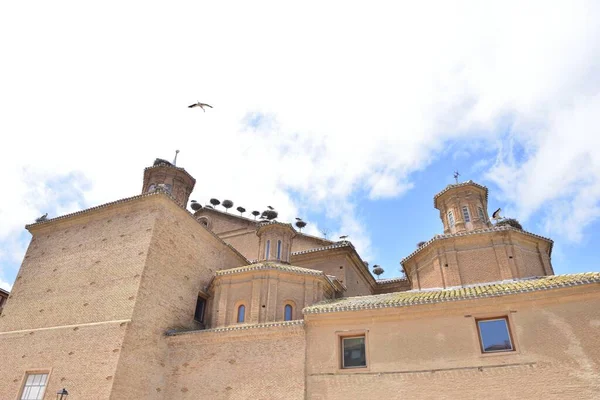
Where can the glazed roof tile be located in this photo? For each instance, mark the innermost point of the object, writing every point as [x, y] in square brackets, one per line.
[417, 297]
[475, 232]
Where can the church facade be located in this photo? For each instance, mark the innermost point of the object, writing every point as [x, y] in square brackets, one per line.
[142, 299]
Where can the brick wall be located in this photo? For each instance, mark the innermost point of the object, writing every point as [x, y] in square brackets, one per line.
[81, 270]
[182, 259]
[336, 263]
[479, 258]
[264, 294]
[260, 363]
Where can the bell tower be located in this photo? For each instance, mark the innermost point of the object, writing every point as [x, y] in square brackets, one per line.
[463, 207]
[170, 178]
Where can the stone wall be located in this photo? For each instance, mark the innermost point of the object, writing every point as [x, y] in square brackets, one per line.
[432, 351]
[250, 363]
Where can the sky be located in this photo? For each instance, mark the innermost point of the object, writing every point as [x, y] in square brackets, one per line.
[351, 115]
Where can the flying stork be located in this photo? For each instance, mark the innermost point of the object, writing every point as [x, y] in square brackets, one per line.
[201, 105]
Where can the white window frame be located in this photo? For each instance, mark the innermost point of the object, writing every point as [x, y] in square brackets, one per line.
[451, 220]
[34, 383]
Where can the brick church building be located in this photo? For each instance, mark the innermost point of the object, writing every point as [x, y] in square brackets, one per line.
[142, 299]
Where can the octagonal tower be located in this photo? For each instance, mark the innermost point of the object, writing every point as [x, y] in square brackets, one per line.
[170, 178]
[463, 207]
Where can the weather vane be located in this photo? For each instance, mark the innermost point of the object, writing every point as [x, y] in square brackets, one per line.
[456, 175]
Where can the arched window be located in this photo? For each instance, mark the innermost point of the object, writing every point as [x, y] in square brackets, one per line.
[241, 317]
[451, 219]
[466, 215]
[279, 249]
[267, 249]
[287, 314]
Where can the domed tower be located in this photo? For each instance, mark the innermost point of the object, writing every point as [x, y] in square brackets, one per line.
[463, 207]
[172, 179]
[275, 241]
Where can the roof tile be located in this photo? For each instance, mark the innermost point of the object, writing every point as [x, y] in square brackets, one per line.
[416, 297]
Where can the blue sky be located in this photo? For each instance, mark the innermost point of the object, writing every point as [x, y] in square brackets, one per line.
[353, 124]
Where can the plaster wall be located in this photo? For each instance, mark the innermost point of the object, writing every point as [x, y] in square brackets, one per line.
[432, 351]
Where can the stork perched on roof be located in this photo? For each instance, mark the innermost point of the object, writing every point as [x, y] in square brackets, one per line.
[201, 105]
[42, 218]
[344, 237]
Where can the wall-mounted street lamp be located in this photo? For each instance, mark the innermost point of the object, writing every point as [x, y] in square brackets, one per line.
[62, 394]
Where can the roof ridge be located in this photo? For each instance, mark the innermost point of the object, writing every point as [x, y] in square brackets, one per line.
[269, 265]
[239, 327]
[157, 192]
[258, 222]
[468, 292]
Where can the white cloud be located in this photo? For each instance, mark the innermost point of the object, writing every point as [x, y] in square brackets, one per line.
[5, 285]
[317, 103]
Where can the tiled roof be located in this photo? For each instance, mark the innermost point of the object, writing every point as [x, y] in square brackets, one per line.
[455, 185]
[264, 224]
[336, 245]
[391, 280]
[239, 327]
[476, 232]
[270, 266]
[417, 297]
[336, 285]
[4, 291]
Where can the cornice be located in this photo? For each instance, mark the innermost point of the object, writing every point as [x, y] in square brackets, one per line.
[493, 229]
[459, 185]
[240, 327]
[468, 292]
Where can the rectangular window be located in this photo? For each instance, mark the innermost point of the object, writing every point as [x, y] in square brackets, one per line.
[494, 335]
[279, 249]
[35, 386]
[481, 214]
[466, 215]
[200, 307]
[353, 352]
[451, 219]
